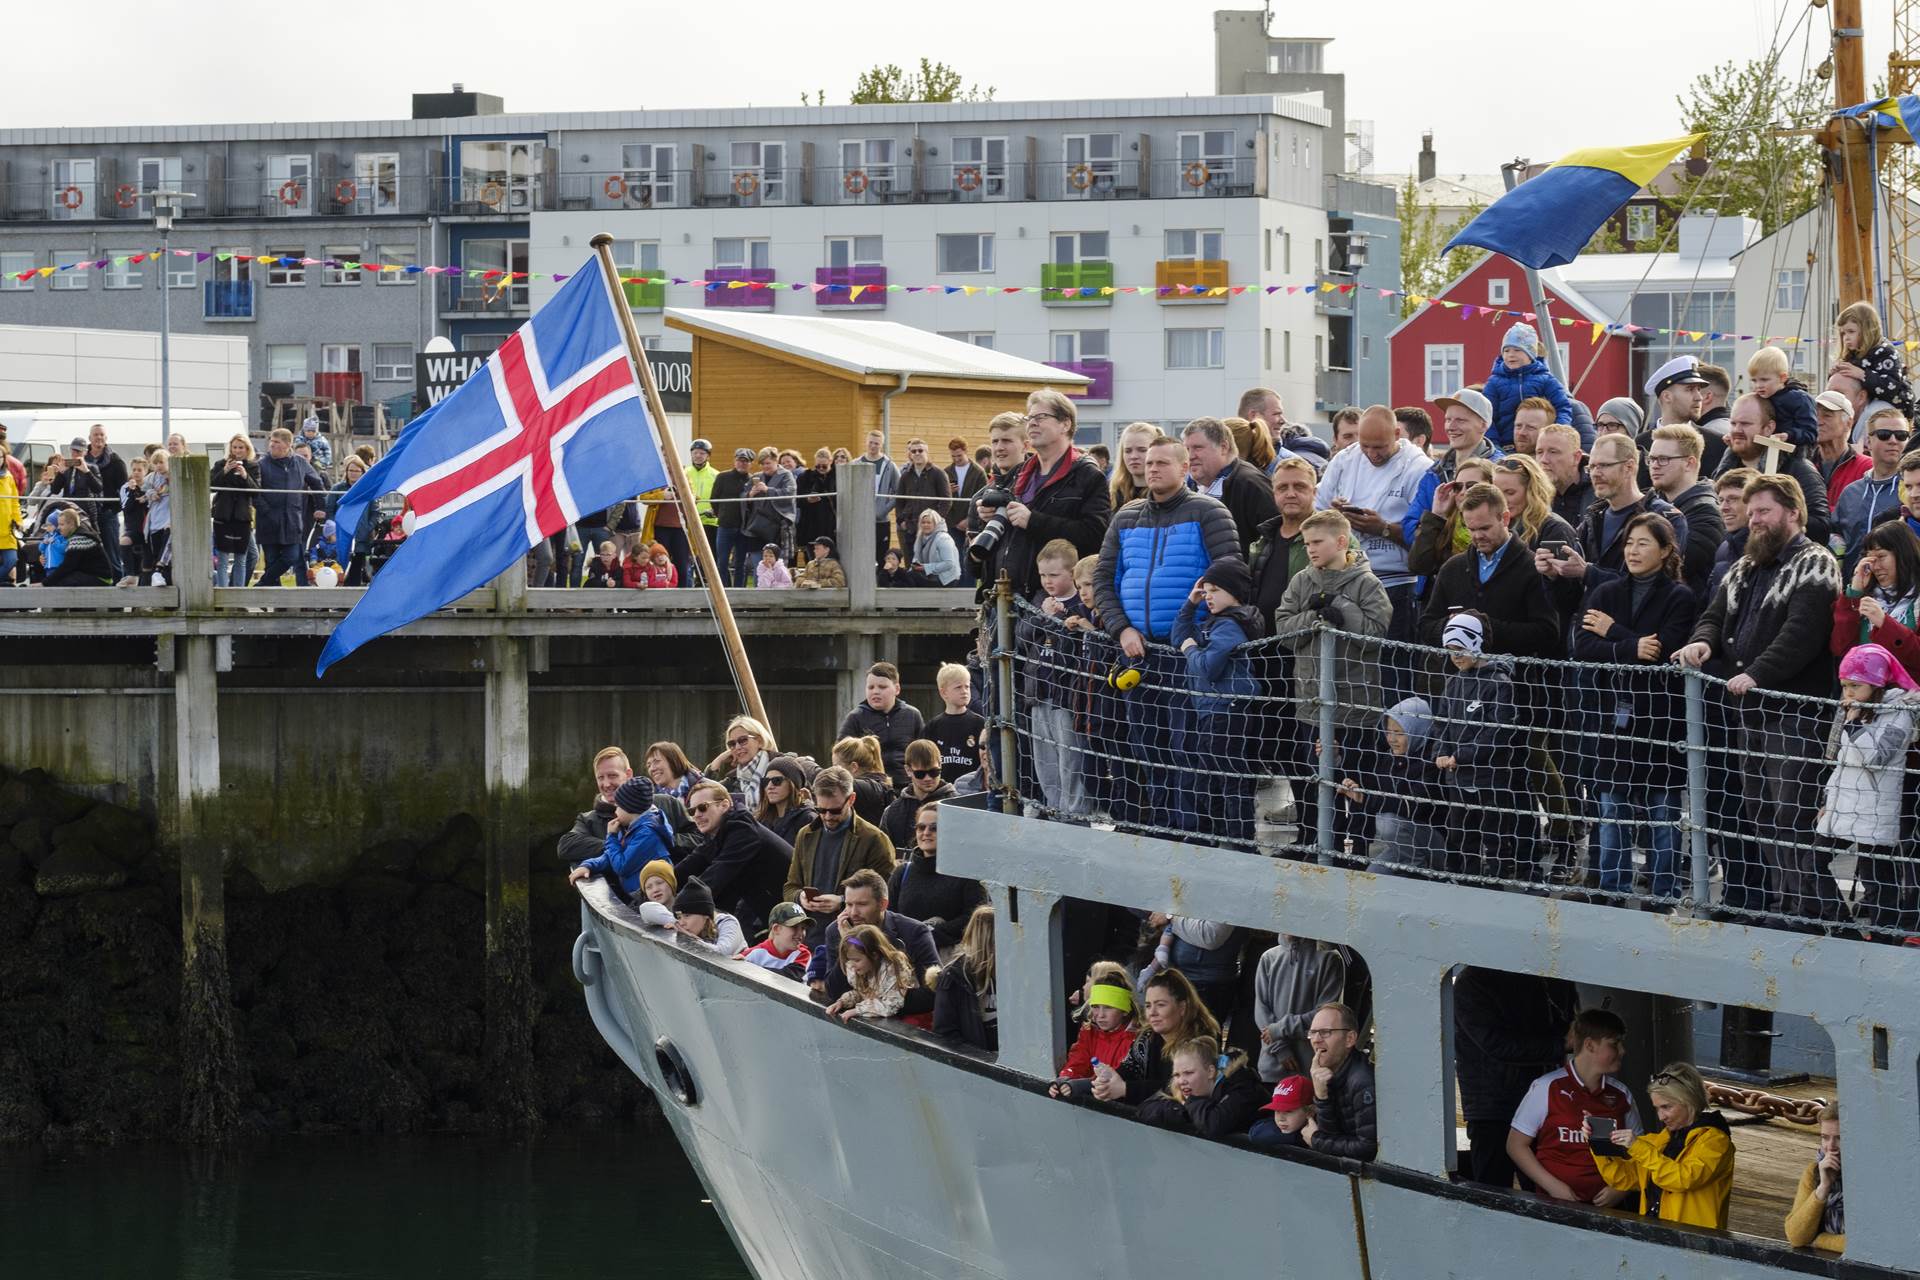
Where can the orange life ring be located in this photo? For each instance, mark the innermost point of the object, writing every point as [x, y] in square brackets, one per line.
[615, 187]
[72, 197]
[967, 177]
[1080, 177]
[292, 193]
[126, 195]
[492, 194]
[346, 191]
[855, 182]
[1197, 173]
[745, 184]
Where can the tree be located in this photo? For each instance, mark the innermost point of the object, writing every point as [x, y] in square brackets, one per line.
[1752, 170]
[1425, 264]
[933, 82]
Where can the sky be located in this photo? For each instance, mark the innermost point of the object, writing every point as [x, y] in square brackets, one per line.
[1491, 80]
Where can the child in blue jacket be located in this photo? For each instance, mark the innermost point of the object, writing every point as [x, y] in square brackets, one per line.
[636, 835]
[1211, 632]
[1518, 374]
[1771, 375]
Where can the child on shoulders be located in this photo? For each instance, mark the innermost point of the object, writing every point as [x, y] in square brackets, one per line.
[1519, 372]
[1771, 374]
[1867, 355]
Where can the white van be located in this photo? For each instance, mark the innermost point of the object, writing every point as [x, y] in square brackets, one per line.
[34, 435]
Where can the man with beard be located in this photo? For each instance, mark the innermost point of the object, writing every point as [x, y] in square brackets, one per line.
[1767, 630]
[1752, 418]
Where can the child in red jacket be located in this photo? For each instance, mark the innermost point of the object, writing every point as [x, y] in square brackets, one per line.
[656, 570]
[1107, 1032]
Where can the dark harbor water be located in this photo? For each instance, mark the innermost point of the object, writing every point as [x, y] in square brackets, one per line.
[572, 1206]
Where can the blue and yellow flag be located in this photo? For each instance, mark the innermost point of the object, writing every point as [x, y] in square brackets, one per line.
[1899, 116]
[1548, 219]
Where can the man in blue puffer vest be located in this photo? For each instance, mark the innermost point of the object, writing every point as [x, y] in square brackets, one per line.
[1155, 550]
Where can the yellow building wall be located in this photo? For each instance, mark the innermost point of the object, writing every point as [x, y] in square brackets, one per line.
[937, 416]
[745, 399]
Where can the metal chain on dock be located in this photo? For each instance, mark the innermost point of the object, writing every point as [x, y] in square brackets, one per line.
[1756, 1102]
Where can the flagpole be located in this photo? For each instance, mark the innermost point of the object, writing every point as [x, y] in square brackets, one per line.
[683, 492]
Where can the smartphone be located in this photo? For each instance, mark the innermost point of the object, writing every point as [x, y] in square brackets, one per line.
[812, 892]
[1559, 549]
[1602, 1140]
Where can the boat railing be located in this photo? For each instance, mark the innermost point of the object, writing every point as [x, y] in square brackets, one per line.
[1647, 785]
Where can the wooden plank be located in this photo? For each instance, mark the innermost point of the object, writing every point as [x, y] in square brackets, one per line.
[319, 599]
[88, 599]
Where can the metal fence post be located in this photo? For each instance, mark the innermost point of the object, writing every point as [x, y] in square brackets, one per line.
[1695, 824]
[1003, 693]
[1323, 834]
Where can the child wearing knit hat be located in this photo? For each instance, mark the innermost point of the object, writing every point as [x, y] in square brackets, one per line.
[1211, 632]
[637, 834]
[1518, 373]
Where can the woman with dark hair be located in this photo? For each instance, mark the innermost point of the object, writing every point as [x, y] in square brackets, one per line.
[815, 489]
[670, 769]
[1174, 1014]
[785, 803]
[1639, 619]
[919, 890]
[1880, 603]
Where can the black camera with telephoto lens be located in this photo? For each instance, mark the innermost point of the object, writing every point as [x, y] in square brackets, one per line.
[996, 526]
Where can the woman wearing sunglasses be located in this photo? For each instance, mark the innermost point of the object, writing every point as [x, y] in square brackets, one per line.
[785, 803]
[750, 749]
[920, 891]
[1684, 1171]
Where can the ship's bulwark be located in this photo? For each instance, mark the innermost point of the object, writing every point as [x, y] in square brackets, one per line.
[837, 1155]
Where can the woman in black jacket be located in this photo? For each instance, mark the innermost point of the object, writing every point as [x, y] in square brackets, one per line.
[1204, 1098]
[919, 891]
[816, 488]
[1640, 619]
[235, 480]
[743, 864]
[965, 999]
[785, 803]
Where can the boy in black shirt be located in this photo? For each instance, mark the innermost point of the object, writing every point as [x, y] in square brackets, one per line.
[957, 731]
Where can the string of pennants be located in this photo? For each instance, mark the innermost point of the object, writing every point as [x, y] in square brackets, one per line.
[503, 279]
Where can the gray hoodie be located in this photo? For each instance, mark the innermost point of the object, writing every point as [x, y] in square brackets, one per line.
[1292, 980]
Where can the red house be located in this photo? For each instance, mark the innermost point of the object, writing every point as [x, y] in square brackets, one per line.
[1453, 340]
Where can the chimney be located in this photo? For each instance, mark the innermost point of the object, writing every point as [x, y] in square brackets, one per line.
[459, 103]
[1426, 156]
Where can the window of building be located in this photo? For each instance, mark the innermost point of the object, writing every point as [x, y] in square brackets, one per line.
[73, 193]
[289, 184]
[392, 362]
[965, 253]
[69, 279]
[122, 274]
[334, 272]
[1196, 348]
[866, 168]
[1193, 246]
[159, 173]
[1444, 366]
[1790, 289]
[648, 168]
[376, 182]
[1286, 251]
[1266, 256]
[637, 257]
[1070, 247]
[339, 357]
[736, 253]
[976, 338]
[182, 273]
[483, 342]
[766, 162]
[1092, 163]
[287, 362]
[1319, 352]
[12, 263]
[513, 166]
[980, 168]
[1286, 351]
[1642, 219]
[1070, 346]
[284, 272]
[493, 255]
[1266, 350]
[1366, 346]
[1498, 292]
[399, 255]
[1319, 258]
[854, 251]
[1212, 150]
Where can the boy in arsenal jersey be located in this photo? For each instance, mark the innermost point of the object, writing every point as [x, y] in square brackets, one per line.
[1548, 1141]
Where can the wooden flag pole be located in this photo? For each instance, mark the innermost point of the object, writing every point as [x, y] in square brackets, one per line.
[689, 513]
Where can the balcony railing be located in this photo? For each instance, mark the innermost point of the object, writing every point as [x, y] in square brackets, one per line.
[466, 296]
[1190, 280]
[1332, 302]
[1100, 389]
[227, 299]
[1076, 282]
[736, 288]
[861, 286]
[345, 387]
[1213, 176]
[644, 296]
[1333, 389]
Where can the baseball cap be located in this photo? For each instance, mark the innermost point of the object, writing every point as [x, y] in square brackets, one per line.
[744, 455]
[77, 443]
[787, 913]
[703, 444]
[1290, 1094]
[1833, 400]
[1470, 400]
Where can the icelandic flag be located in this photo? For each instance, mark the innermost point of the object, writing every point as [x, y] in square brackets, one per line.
[1546, 220]
[553, 425]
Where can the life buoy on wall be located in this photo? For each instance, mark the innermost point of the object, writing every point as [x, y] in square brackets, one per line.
[126, 195]
[292, 193]
[615, 187]
[72, 197]
[1197, 173]
[746, 184]
[855, 182]
[492, 194]
[346, 191]
[1080, 177]
[967, 177]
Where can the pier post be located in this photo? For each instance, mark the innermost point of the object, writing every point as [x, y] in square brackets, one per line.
[209, 1064]
[853, 506]
[507, 1050]
[1027, 940]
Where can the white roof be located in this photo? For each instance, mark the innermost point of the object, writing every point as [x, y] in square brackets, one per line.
[1639, 269]
[873, 346]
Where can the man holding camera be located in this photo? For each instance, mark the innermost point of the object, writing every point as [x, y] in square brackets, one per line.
[1058, 493]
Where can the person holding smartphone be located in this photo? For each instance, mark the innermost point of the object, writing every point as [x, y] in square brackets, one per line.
[1548, 1139]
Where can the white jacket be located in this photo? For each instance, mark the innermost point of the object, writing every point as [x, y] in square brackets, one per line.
[1863, 797]
[1387, 490]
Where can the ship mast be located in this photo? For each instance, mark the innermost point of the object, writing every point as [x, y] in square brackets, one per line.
[1850, 174]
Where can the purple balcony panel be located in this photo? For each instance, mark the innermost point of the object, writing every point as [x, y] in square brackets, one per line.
[842, 281]
[752, 299]
[1101, 371]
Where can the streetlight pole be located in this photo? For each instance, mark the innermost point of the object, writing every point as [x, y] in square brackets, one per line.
[167, 205]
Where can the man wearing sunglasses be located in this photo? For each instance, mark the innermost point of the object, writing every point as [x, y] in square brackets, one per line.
[832, 847]
[1875, 496]
[924, 784]
[743, 864]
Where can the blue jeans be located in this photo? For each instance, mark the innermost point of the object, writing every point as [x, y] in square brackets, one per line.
[8, 559]
[280, 557]
[230, 568]
[735, 554]
[1620, 814]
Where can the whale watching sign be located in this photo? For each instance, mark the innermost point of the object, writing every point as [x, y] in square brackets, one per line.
[438, 375]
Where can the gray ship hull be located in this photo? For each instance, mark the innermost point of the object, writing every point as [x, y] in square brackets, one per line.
[871, 1153]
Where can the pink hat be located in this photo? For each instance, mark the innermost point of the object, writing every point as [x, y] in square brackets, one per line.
[1873, 664]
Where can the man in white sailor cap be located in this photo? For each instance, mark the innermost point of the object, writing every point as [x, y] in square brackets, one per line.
[1675, 389]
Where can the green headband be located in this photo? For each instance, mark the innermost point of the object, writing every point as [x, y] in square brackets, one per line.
[1103, 993]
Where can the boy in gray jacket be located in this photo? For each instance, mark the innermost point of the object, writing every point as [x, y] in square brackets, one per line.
[1292, 980]
[1478, 742]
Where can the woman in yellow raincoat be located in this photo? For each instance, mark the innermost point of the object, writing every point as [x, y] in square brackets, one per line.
[1684, 1170]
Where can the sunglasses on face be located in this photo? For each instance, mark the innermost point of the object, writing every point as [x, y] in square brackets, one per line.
[924, 773]
[926, 826]
[702, 807]
[832, 811]
[775, 781]
[1889, 435]
[738, 742]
